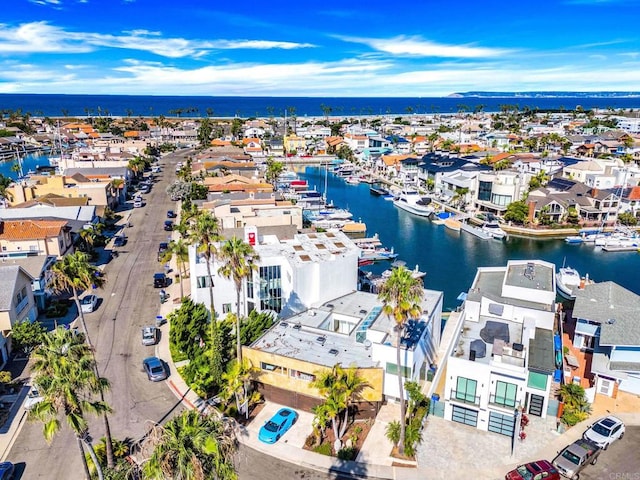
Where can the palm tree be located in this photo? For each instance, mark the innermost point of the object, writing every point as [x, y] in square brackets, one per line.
[75, 273]
[401, 295]
[204, 231]
[64, 371]
[353, 385]
[179, 250]
[238, 263]
[192, 446]
[235, 382]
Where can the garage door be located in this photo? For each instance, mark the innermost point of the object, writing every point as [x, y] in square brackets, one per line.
[502, 424]
[465, 415]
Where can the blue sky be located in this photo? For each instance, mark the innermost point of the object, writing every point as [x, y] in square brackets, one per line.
[327, 48]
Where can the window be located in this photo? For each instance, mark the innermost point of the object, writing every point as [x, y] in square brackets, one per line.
[302, 375]
[392, 369]
[226, 307]
[466, 390]
[269, 367]
[203, 282]
[505, 394]
[270, 288]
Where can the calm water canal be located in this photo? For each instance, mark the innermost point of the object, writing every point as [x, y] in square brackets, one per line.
[451, 258]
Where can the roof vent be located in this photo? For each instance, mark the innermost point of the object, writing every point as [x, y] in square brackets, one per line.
[518, 347]
[321, 339]
[333, 351]
[363, 311]
[329, 305]
[284, 324]
[297, 326]
[611, 321]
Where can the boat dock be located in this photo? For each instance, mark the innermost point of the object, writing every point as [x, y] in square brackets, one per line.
[627, 248]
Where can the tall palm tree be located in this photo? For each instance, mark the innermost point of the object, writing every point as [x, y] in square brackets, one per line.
[179, 250]
[75, 273]
[401, 295]
[204, 232]
[353, 385]
[192, 447]
[235, 382]
[239, 261]
[65, 374]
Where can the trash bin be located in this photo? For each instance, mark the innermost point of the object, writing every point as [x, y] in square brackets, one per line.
[435, 397]
[159, 320]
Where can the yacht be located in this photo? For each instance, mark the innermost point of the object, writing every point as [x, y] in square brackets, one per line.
[413, 202]
[493, 229]
[568, 280]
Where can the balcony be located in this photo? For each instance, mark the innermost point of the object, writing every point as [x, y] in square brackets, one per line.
[502, 401]
[464, 397]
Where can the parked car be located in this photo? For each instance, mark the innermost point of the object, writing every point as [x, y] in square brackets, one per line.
[6, 470]
[162, 247]
[575, 457]
[149, 335]
[171, 214]
[137, 202]
[154, 368]
[88, 303]
[160, 280]
[120, 241]
[277, 426]
[605, 431]
[33, 397]
[168, 225]
[538, 470]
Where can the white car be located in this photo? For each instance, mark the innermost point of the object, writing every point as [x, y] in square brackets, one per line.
[88, 303]
[33, 397]
[605, 431]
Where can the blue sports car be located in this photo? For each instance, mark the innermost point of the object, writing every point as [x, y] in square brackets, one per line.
[279, 424]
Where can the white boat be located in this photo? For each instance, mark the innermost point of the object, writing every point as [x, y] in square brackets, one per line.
[476, 231]
[353, 180]
[567, 280]
[412, 202]
[493, 229]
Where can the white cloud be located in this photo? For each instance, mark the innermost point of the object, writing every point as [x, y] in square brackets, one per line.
[416, 46]
[40, 37]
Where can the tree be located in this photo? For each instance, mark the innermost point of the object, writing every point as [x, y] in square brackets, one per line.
[517, 212]
[239, 261]
[204, 233]
[235, 382]
[75, 273]
[192, 446]
[204, 132]
[179, 250]
[4, 183]
[576, 405]
[401, 295]
[26, 335]
[65, 374]
[273, 171]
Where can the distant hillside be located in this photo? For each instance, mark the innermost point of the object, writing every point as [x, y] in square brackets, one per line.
[544, 94]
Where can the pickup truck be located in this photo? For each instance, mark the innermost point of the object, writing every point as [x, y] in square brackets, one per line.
[575, 457]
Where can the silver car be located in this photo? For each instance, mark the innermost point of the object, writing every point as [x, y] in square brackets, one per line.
[575, 457]
[149, 335]
[155, 369]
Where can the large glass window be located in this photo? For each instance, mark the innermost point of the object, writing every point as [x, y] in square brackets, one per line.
[505, 394]
[502, 200]
[466, 390]
[392, 369]
[271, 288]
[484, 191]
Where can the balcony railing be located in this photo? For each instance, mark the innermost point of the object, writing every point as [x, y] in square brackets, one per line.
[465, 397]
[22, 305]
[502, 401]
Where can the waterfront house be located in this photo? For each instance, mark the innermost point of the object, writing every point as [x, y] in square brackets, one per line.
[435, 166]
[630, 201]
[502, 359]
[495, 190]
[293, 274]
[349, 330]
[238, 210]
[607, 328]
[17, 304]
[236, 183]
[19, 238]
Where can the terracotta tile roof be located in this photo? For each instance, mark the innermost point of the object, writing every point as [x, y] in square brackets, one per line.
[131, 134]
[246, 141]
[499, 156]
[30, 229]
[634, 194]
[216, 142]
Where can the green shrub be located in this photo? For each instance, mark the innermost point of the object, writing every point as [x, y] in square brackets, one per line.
[393, 432]
[323, 449]
[347, 453]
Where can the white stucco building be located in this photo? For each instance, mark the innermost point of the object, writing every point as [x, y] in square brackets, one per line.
[502, 360]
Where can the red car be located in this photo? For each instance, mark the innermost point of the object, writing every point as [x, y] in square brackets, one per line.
[538, 470]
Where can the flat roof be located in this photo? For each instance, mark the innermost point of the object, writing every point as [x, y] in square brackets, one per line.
[335, 331]
[490, 334]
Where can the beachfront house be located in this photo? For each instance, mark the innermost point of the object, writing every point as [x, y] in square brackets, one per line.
[501, 360]
[606, 325]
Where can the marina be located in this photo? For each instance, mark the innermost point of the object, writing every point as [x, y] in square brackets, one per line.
[449, 258]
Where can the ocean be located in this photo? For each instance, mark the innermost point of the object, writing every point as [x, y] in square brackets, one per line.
[184, 106]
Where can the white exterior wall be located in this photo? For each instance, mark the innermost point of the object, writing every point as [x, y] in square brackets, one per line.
[631, 384]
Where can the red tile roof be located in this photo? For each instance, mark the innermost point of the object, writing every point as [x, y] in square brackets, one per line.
[30, 229]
